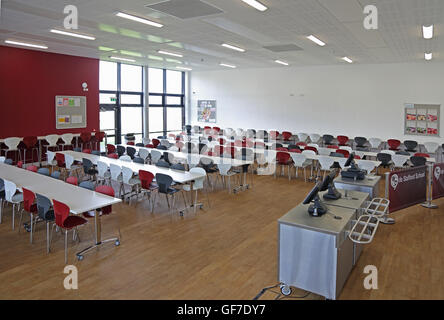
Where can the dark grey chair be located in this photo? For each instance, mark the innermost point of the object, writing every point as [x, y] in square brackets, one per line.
[88, 168]
[77, 149]
[9, 161]
[418, 161]
[164, 183]
[385, 159]
[45, 213]
[138, 160]
[163, 164]
[159, 147]
[327, 139]
[178, 166]
[120, 150]
[44, 171]
[140, 144]
[410, 145]
[130, 151]
[361, 143]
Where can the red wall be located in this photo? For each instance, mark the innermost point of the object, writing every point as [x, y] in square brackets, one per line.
[29, 82]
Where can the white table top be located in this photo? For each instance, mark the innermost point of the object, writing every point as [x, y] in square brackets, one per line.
[44, 137]
[78, 199]
[185, 155]
[177, 175]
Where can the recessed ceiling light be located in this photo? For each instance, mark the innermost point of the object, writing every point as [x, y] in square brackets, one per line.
[281, 62]
[25, 44]
[227, 65]
[427, 32]
[184, 68]
[170, 53]
[428, 56]
[347, 59]
[122, 59]
[256, 4]
[229, 46]
[316, 40]
[72, 34]
[138, 19]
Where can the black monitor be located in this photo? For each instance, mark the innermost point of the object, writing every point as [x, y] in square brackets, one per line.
[318, 208]
[328, 183]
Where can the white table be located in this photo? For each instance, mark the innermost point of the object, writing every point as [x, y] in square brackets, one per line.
[79, 200]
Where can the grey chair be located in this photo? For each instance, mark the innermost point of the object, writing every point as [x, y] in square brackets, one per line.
[56, 175]
[361, 143]
[87, 185]
[44, 171]
[418, 161]
[163, 164]
[120, 150]
[95, 152]
[45, 213]
[88, 168]
[178, 166]
[131, 152]
[9, 161]
[385, 159]
[410, 145]
[138, 160]
[327, 139]
[164, 183]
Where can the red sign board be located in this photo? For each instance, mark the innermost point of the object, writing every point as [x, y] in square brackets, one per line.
[438, 181]
[407, 188]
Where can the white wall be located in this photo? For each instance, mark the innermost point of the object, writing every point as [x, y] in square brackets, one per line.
[354, 100]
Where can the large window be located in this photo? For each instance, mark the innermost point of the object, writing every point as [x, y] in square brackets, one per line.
[121, 100]
[166, 101]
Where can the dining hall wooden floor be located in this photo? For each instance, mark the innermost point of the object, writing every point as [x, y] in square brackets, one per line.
[228, 251]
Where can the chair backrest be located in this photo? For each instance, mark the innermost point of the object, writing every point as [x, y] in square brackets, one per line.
[286, 135]
[314, 145]
[30, 141]
[130, 151]
[178, 166]
[393, 143]
[375, 142]
[410, 145]
[199, 182]
[32, 168]
[61, 212]
[102, 168]
[89, 185]
[60, 158]
[385, 158]
[155, 142]
[165, 142]
[301, 144]
[52, 139]
[420, 154]
[164, 181]
[314, 137]
[366, 165]
[146, 141]
[44, 171]
[67, 138]
[324, 151]
[342, 139]
[298, 159]
[360, 141]
[69, 160]
[224, 168]
[169, 157]
[120, 150]
[72, 180]
[43, 207]
[327, 138]
[346, 153]
[99, 136]
[110, 148]
[138, 160]
[85, 137]
[146, 178]
[160, 147]
[127, 174]
[109, 191]
[12, 143]
[144, 153]
[309, 152]
[283, 157]
[113, 156]
[431, 147]
[28, 199]
[315, 150]
[155, 155]
[115, 170]
[192, 160]
[10, 190]
[55, 174]
[87, 165]
[399, 160]
[163, 164]
[125, 158]
[418, 161]
[326, 162]
[303, 137]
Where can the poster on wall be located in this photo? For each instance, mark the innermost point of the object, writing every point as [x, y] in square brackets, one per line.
[422, 119]
[206, 111]
[70, 112]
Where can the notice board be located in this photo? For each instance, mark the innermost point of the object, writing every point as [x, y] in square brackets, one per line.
[206, 111]
[70, 112]
[422, 119]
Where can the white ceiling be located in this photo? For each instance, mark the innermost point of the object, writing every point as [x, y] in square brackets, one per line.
[339, 23]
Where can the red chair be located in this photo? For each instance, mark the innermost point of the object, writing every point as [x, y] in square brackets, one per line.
[32, 168]
[283, 159]
[419, 154]
[109, 191]
[342, 140]
[155, 142]
[20, 164]
[333, 147]
[110, 148]
[282, 149]
[287, 135]
[86, 151]
[311, 148]
[60, 159]
[357, 157]
[113, 156]
[72, 180]
[344, 152]
[30, 207]
[130, 143]
[273, 134]
[217, 129]
[394, 144]
[147, 185]
[98, 138]
[31, 144]
[86, 138]
[150, 146]
[301, 144]
[66, 222]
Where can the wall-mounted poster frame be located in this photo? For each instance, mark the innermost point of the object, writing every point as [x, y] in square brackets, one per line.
[206, 111]
[70, 112]
[422, 119]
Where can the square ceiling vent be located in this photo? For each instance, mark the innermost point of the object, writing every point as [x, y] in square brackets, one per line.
[185, 9]
[283, 48]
